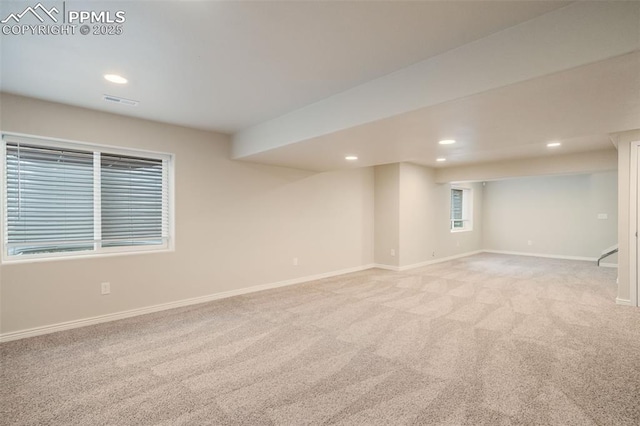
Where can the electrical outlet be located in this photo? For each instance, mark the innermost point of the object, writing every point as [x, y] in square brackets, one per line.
[529, 242]
[603, 216]
[393, 252]
[433, 254]
[294, 262]
[105, 288]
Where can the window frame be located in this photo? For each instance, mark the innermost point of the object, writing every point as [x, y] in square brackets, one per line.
[467, 209]
[97, 251]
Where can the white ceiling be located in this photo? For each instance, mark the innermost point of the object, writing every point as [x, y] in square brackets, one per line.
[229, 65]
[236, 66]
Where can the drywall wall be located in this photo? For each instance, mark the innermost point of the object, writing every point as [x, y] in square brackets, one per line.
[425, 218]
[387, 214]
[237, 224]
[455, 243]
[627, 226]
[412, 217]
[552, 215]
[581, 162]
[418, 205]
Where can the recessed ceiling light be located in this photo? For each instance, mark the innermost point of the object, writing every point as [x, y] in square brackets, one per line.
[441, 159]
[115, 78]
[351, 158]
[553, 144]
[447, 142]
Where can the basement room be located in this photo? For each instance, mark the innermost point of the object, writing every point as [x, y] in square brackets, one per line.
[319, 212]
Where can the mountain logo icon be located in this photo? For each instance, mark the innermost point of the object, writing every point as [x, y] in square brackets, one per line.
[39, 11]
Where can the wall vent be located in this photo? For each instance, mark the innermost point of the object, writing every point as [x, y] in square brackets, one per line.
[119, 100]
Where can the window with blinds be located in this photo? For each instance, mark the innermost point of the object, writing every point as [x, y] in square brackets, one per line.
[62, 199]
[49, 199]
[461, 206]
[456, 209]
[133, 198]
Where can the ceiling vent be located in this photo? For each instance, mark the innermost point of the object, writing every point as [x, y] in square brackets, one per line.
[118, 100]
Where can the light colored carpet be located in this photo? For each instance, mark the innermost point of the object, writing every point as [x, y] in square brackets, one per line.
[484, 340]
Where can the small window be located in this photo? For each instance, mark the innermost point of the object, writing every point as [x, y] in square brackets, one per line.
[61, 199]
[461, 209]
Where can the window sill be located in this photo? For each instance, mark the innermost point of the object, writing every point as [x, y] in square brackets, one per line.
[455, 231]
[18, 261]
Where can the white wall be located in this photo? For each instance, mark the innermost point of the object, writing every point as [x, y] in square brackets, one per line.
[237, 224]
[418, 212]
[425, 218]
[454, 243]
[387, 214]
[412, 217]
[558, 214]
[627, 166]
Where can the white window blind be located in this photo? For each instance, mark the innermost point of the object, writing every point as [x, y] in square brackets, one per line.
[60, 199]
[456, 208]
[461, 209]
[134, 202]
[49, 198]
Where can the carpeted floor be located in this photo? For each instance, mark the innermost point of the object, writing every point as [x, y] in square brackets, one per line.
[483, 340]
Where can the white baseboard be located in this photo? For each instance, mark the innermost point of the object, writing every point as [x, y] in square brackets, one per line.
[625, 302]
[386, 267]
[425, 263]
[552, 256]
[440, 260]
[68, 325]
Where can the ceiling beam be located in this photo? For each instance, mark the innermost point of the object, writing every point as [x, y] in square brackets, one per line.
[581, 33]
